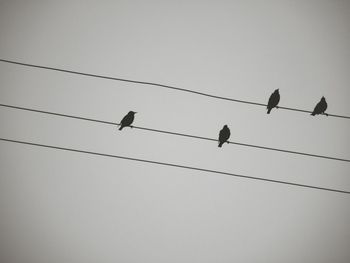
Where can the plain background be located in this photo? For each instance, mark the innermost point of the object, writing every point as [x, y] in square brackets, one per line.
[68, 207]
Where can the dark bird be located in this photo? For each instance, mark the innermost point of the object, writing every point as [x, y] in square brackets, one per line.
[273, 101]
[320, 108]
[224, 135]
[127, 120]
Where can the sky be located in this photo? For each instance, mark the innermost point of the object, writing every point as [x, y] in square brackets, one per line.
[58, 206]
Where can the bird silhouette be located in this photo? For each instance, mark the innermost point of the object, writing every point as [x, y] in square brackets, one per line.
[224, 135]
[127, 120]
[321, 107]
[273, 101]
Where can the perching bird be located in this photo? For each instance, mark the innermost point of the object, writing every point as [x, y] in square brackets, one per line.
[320, 107]
[127, 120]
[273, 101]
[224, 135]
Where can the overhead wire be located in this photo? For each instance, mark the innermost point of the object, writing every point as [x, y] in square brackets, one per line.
[174, 165]
[175, 133]
[159, 85]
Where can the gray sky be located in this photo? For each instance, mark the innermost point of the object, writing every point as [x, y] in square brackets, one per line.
[68, 207]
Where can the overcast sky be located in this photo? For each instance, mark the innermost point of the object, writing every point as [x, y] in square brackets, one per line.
[69, 207]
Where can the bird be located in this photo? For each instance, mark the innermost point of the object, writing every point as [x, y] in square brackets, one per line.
[321, 107]
[273, 101]
[127, 120]
[224, 135]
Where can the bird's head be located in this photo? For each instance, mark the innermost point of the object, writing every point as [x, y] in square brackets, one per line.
[225, 126]
[277, 90]
[132, 112]
[323, 98]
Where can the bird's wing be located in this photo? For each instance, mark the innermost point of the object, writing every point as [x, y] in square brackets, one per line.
[124, 119]
[224, 135]
[318, 108]
[278, 97]
[221, 135]
[325, 105]
[272, 100]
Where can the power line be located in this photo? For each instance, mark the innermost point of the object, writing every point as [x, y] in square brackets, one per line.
[159, 85]
[176, 133]
[175, 165]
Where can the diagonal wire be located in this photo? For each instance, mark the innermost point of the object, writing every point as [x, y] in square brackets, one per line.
[175, 165]
[176, 133]
[159, 85]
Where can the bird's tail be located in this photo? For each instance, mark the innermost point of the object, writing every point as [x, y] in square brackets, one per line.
[313, 114]
[121, 127]
[220, 144]
[269, 110]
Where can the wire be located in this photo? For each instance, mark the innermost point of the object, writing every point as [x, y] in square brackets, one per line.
[159, 85]
[176, 133]
[175, 165]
